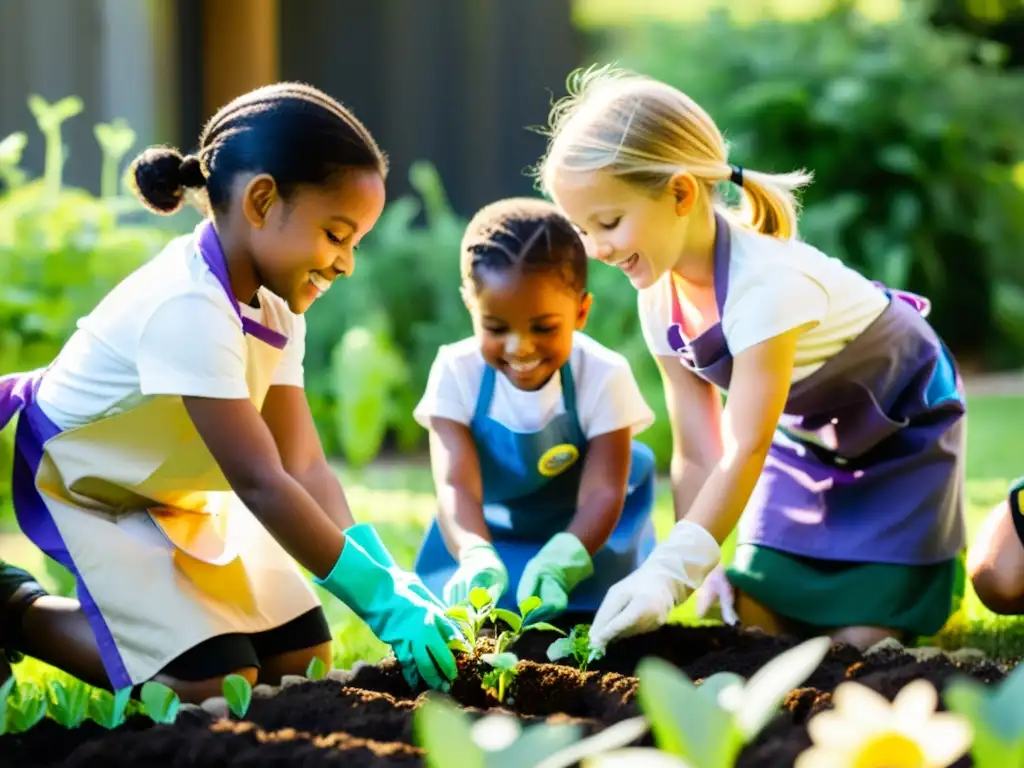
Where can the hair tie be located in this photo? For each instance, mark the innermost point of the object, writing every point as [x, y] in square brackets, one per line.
[191, 172]
[737, 175]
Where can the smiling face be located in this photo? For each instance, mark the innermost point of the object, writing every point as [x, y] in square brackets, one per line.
[300, 246]
[642, 233]
[525, 323]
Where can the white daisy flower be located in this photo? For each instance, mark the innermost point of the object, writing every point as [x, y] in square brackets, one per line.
[866, 731]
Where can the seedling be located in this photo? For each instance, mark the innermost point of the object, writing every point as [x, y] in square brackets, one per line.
[504, 668]
[996, 716]
[110, 710]
[577, 645]
[238, 693]
[159, 702]
[518, 624]
[470, 616]
[22, 706]
[316, 670]
[70, 703]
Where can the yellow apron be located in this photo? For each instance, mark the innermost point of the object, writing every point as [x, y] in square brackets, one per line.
[167, 555]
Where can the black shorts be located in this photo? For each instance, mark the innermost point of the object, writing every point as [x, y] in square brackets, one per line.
[225, 654]
[1016, 498]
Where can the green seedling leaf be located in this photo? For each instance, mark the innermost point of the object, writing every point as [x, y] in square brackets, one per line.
[531, 603]
[514, 622]
[12, 148]
[238, 693]
[560, 649]
[722, 688]
[996, 742]
[5, 695]
[115, 138]
[769, 685]
[109, 710]
[543, 626]
[681, 719]
[534, 744]
[444, 733]
[159, 702]
[479, 598]
[70, 703]
[611, 738]
[316, 670]
[500, 660]
[26, 707]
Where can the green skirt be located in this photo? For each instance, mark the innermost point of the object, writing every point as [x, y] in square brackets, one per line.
[825, 594]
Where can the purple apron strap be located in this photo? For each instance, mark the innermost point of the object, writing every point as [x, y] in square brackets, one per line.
[17, 392]
[920, 303]
[213, 255]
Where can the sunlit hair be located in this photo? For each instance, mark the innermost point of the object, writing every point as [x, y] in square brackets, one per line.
[645, 132]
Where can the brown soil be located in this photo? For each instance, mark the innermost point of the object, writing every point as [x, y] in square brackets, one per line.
[364, 717]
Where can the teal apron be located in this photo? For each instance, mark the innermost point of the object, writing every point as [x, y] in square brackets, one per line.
[531, 484]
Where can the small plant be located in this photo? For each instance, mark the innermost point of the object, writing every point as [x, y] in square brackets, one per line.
[22, 706]
[110, 710]
[996, 716]
[316, 670]
[504, 668]
[70, 703]
[159, 702]
[238, 693]
[472, 615]
[577, 645]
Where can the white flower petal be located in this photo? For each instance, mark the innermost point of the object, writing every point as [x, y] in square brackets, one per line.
[946, 738]
[831, 730]
[819, 757]
[862, 705]
[915, 702]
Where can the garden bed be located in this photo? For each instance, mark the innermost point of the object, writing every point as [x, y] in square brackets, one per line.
[364, 716]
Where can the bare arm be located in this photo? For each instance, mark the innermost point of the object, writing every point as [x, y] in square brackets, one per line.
[456, 469]
[243, 446]
[602, 489]
[757, 395]
[695, 415]
[287, 415]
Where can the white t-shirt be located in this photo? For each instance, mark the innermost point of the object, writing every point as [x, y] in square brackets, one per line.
[775, 286]
[607, 395]
[169, 328]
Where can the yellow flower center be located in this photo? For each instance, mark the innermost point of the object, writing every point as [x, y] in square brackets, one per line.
[890, 750]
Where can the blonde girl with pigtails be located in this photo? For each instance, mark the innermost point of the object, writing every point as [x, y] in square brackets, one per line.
[838, 453]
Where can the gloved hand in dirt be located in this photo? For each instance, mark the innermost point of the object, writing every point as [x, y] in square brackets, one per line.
[396, 605]
[642, 601]
[479, 566]
[553, 573]
[716, 588]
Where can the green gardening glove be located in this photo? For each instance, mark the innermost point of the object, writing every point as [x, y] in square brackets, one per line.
[397, 607]
[367, 538]
[479, 566]
[553, 573]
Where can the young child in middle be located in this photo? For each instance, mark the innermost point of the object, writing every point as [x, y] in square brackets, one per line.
[542, 490]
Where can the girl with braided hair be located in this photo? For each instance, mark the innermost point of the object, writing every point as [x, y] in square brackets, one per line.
[168, 458]
[542, 490]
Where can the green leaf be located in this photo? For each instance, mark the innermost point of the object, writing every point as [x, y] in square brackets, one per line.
[543, 626]
[238, 693]
[769, 685]
[727, 683]
[531, 603]
[159, 702]
[444, 733]
[5, 694]
[534, 745]
[514, 622]
[681, 720]
[479, 598]
[500, 660]
[12, 147]
[459, 613]
[560, 649]
[316, 670]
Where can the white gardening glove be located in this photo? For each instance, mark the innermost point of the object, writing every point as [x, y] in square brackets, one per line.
[642, 601]
[716, 587]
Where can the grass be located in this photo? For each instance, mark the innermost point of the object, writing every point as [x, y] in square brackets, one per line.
[398, 499]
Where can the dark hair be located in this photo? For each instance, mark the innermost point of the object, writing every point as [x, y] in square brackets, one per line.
[292, 131]
[527, 234]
